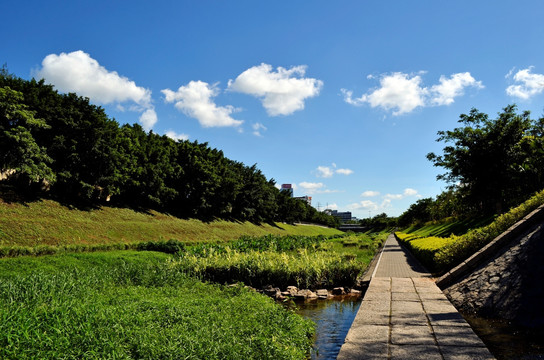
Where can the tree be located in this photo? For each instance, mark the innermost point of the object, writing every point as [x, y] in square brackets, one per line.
[417, 213]
[19, 152]
[484, 160]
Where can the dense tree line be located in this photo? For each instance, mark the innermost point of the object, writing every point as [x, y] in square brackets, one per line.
[68, 146]
[491, 165]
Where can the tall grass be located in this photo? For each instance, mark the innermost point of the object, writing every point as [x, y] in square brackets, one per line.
[133, 305]
[307, 262]
[303, 269]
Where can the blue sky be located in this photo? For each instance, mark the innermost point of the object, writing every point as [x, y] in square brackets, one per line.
[341, 99]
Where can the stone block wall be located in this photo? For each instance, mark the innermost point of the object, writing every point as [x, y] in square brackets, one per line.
[507, 285]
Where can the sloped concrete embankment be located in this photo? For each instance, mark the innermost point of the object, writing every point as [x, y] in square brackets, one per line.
[506, 278]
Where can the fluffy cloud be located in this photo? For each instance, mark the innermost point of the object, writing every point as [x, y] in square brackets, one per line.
[403, 93]
[195, 100]
[324, 171]
[281, 92]
[309, 187]
[175, 136]
[528, 84]
[327, 172]
[370, 193]
[410, 192]
[407, 192]
[78, 72]
[448, 89]
[363, 205]
[148, 119]
[344, 171]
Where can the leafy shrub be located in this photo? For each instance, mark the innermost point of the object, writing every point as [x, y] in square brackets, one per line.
[441, 254]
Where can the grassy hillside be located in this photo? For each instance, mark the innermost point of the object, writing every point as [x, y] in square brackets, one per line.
[441, 253]
[47, 222]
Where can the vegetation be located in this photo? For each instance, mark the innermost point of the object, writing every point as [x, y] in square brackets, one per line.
[63, 146]
[443, 253]
[379, 223]
[135, 305]
[46, 227]
[492, 164]
[129, 305]
[305, 262]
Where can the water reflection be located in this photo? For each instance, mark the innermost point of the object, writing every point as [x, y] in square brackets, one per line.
[506, 341]
[333, 319]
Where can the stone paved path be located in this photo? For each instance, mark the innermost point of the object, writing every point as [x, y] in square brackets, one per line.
[404, 315]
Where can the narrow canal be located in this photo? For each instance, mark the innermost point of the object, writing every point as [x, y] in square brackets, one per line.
[506, 341]
[333, 318]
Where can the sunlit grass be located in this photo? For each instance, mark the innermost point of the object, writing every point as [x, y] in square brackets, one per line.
[128, 305]
[47, 222]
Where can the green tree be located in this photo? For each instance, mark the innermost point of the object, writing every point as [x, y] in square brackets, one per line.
[484, 158]
[19, 152]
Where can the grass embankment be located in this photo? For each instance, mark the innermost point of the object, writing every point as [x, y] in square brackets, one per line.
[440, 254]
[46, 226]
[133, 305]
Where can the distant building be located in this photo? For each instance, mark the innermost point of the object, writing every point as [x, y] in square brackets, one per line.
[343, 216]
[306, 198]
[288, 188]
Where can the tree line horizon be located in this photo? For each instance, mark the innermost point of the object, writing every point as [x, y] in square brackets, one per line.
[83, 156]
[61, 145]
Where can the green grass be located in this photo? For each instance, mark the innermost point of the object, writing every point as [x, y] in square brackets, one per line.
[48, 223]
[300, 261]
[133, 305]
[448, 227]
[441, 254]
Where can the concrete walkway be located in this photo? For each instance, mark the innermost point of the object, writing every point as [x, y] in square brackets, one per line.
[404, 315]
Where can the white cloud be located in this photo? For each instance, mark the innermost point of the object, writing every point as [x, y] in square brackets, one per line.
[407, 192]
[328, 191]
[528, 84]
[195, 100]
[327, 172]
[257, 128]
[324, 171]
[175, 136]
[332, 206]
[78, 72]
[344, 171]
[370, 193]
[393, 196]
[402, 93]
[148, 119]
[363, 205]
[309, 187]
[448, 89]
[397, 91]
[281, 91]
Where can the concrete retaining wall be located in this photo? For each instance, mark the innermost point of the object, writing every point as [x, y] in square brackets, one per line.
[506, 278]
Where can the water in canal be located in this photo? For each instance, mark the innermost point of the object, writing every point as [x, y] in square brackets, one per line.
[506, 341]
[333, 318]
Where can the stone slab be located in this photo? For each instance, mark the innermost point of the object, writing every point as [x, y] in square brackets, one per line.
[460, 336]
[415, 352]
[412, 335]
[466, 353]
[368, 351]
